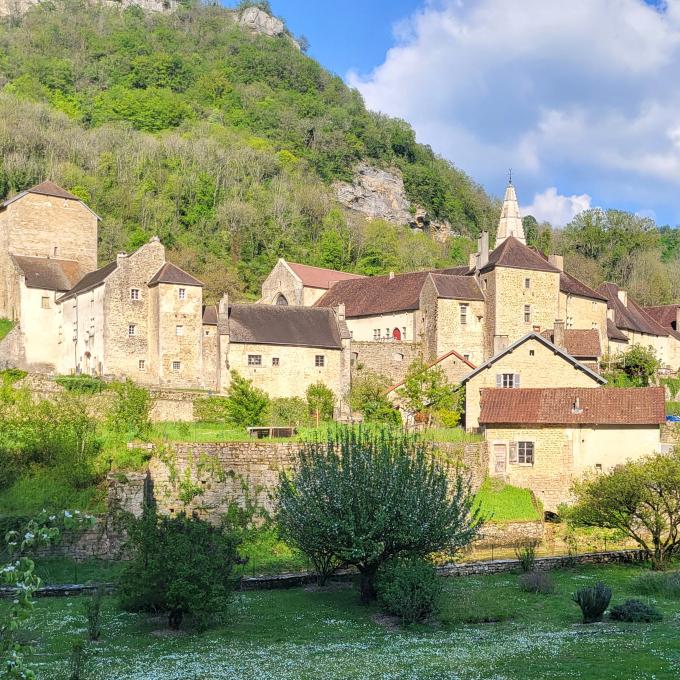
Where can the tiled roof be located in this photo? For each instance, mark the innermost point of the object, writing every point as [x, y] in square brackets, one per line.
[171, 273]
[91, 280]
[578, 342]
[210, 315]
[613, 333]
[376, 294]
[284, 325]
[462, 270]
[572, 286]
[438, 360]
[514, 254]
[630, 317]
[318, 277]
[49, 274]
[665, 315]
[573, 406]
[46, 189]
[455, 287]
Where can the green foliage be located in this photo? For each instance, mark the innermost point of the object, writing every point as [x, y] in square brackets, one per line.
[636, 367]
[291, 411]
[673, 386]
[211, 409]
[537, 582]
[658, 584]
[502, 502]
[93, 613]
[179, 566]
[365, 496]
[639, 498]
[593, 601]
[673, 408]
[409, 588]
[635, 611]
[82, 384]
[9, 376]
[246, 405]
[368, 397]
[5, 327]
[526, 555]
[129, 413]
[320, 402]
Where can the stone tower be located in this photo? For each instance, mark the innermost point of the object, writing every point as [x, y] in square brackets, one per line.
[510, 223]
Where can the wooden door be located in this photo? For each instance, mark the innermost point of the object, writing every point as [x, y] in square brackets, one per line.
[500, 454]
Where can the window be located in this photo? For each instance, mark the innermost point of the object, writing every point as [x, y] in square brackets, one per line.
[532, 352]
[351, 334]
[56, 251]
[387, 332]
[132, 329]
[179, 330]
[254, 360]
[527, 313]
[466, 357]
[182, 293]
[527, 283]
[463, 314]
[507, 380]
[134, 293]
[45, 303]
[319, 360]
[594, 325]
[525, 453]
[142, 365]
[275, 361]
[376, 334]
[403, 332]
[176, 365]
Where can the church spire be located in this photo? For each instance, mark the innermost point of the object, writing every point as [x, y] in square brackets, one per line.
[510, 223]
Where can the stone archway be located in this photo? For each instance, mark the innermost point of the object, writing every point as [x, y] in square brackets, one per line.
[281, 300]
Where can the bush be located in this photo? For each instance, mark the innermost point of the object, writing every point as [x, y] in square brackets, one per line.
[536, 582]
[179, 565]
[526, 554]
[320, 401]
[665, 584]
[593, 601]
[286, 411]
[9, 376]
[81, 384]
[635, 611]
[93, 614]
[130, 411]
[368, 397]
[246, 405]
[211, 409]
[409, 589]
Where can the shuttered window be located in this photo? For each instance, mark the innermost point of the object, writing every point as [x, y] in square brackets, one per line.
[507, 380]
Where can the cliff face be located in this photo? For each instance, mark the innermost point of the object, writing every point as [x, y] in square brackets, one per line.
[18, 7]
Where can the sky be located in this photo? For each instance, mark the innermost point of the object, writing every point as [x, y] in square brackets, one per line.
[581, 98]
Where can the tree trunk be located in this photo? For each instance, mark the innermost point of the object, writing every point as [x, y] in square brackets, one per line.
[367, 583]
[175, 618]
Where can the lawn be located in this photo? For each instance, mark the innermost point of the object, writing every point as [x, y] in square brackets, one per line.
[501, 502]
[309, 634]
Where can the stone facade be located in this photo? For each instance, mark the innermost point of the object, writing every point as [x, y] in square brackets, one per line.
[390, 359]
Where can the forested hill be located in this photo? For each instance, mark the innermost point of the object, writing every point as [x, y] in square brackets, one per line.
[222, 142]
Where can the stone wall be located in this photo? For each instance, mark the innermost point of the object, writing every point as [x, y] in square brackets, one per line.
[509, 534]
[389, 358]
[12, 350]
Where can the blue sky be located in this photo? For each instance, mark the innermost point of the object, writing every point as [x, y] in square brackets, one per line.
[581, 99]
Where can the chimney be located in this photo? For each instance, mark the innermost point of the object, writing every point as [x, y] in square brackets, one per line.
[558, 334]
[472, 261]
[120, 256]
[557, 261]
[676, 323]
[610, 314]
[340, 311]
[576, 408]
[223, 305]
[483, 248]
[391, 275]
[623, 296]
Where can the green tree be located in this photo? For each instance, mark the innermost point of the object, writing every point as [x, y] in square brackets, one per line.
[641, 499]
[367, 496]
[639, 364]
[246, 405]
[368, 396]
[320, 402]
[130, 411]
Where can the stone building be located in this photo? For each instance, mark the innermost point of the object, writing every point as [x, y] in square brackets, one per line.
[544, 438]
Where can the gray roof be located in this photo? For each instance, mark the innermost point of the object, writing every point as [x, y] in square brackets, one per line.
[456, 287]
[171, 273]
[543, 341]
[514, 254]
[47, 273]
[91, 280]
[47, 188]
[284, 325]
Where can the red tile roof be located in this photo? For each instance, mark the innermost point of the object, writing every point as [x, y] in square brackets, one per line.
[572, 286]
[318, 277]
[51, 189]
[454, 287]
[514, 254]
[665, 315]
[631, 316]
[578, 342]
[574, 406]
[613, 333]
[48, 273]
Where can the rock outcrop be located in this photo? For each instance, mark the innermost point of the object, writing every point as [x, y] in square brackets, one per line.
[18, 7]
[258, 21]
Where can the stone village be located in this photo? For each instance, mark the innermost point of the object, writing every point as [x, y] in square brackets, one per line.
[522, 335]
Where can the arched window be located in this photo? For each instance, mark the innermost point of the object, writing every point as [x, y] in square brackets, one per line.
[281, 299]
[396, 334]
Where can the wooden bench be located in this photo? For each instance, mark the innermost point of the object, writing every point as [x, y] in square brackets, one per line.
[269, 432]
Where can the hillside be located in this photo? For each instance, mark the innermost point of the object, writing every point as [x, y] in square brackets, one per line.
[226, 143]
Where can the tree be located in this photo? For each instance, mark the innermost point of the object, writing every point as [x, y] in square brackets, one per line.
[368, 396]
[639, 364]
[427, 393]
[364, 497]
[321, 402]
[129, 413]
[179, 565]
[641, 499]
[246, 405]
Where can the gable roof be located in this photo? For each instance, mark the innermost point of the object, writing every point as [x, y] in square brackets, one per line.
[666, 316]
[579, 342]
[613, 333]
[47, 273]
[171, 273]
[572, 286]
[438, 360]
[631, 316]
[318, 277]
[543, 341]
[573, 406]
[47, 188]
[376, 294]
[455, 287]
[284, 325]
[514, 254]
[209, 315]
[91, 280]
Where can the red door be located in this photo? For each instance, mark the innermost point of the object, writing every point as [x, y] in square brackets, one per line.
[396, 334]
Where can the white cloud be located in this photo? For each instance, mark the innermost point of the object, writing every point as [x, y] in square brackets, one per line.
[583, 95]
[549, 206]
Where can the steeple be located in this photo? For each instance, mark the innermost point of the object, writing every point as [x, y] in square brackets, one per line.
[510, 223]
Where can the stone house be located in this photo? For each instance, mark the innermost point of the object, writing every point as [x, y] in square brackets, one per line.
[290, 283]
[532, 361]
[544, 438]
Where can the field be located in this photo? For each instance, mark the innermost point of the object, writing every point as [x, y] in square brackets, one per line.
[311, 633]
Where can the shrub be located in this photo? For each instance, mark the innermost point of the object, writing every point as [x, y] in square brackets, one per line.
[9, 376]
[368, 397]
[246, 405]
[320, 401]
[93, 614]
[211, 409]
[409, 589]
[81, 384]
[179, 565]
[536, 582]
[130, 411]
[526, 554]
[635, 611]
[666, 584]
[77, 660]
[286, 411]
[593, 601]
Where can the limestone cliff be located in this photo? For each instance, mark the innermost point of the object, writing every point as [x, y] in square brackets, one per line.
[18, 7]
